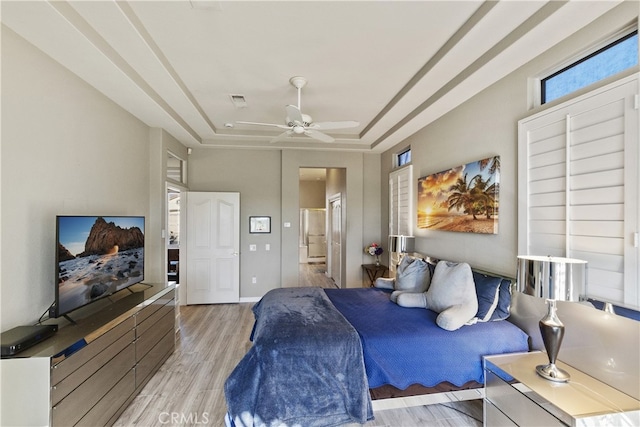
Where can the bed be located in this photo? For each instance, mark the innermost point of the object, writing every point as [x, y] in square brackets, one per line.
[318, 355]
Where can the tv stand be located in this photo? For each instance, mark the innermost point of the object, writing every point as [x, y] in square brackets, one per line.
[69, 319]
[88, 373]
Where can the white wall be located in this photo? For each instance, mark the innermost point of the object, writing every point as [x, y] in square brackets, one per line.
[484, 126]
[66, 149]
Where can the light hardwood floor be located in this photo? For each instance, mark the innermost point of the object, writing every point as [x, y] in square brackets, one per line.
[188, 388]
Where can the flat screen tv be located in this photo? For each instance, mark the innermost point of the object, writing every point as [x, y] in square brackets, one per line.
[96, 256]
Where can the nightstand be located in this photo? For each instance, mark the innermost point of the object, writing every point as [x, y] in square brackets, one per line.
[374, 271]
[515, 395]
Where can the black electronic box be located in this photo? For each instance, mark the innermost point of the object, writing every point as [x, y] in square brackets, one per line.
[22, 337]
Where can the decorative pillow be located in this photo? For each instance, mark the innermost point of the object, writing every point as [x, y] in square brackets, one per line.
[452, 293]
[503, 309]
[488, 292]
[413, 275]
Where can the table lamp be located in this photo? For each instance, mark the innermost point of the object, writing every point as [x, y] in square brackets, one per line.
[401, 245]
[554, 279]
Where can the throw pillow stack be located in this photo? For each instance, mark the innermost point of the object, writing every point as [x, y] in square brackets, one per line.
[460, 296]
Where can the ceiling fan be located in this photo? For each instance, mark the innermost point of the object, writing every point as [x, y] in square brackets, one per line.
[297, 123]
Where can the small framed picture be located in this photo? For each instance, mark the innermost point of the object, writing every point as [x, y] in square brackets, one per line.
[259, 224]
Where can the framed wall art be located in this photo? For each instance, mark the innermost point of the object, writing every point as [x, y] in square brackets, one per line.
[464, 198]
[259, 224]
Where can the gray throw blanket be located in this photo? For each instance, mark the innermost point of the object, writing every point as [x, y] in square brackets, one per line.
[305, 367]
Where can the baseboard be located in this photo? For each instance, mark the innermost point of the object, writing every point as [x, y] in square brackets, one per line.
[250, 299]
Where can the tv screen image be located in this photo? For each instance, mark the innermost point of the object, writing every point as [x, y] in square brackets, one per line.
[96, 257]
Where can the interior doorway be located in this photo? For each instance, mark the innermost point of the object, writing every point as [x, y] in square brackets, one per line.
[173, 235]
[335, 239]
[312, 240]
[317, 187]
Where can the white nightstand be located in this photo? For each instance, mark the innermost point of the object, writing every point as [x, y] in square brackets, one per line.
[516, 396]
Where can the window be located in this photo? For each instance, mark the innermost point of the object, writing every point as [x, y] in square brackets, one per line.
[618, 56]
[403, 157]
[176, 168]
[400, 204]
[578, 180]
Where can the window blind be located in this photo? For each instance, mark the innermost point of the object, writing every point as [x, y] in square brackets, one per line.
[400, 201]
[400, 205]
[578, 180]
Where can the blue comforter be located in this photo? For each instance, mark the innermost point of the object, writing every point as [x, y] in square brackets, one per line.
[404, 346]
[305, 367]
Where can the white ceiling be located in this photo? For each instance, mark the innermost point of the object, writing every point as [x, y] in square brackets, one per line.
[392, 66]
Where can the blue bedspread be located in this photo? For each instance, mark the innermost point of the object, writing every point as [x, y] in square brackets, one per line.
[305, 367]
[404, 346]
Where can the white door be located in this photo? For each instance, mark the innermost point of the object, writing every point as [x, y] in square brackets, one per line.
[335, 230]
[213, 243]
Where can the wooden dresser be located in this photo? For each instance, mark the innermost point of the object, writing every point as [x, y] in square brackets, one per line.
[88, 373]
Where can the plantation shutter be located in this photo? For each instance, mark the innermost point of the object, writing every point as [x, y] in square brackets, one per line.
[578, 186]
[400, 205]
[400, 202]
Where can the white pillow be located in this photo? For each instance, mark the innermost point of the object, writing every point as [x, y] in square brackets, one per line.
[452, 293]
[413, 275]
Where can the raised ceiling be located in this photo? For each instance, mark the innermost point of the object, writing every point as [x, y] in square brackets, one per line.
[392, 66]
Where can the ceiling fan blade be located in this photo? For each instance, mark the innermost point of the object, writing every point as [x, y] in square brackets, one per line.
[334, 125]
[281, 136]
[318, 135]
[294, 114]
[264, 124]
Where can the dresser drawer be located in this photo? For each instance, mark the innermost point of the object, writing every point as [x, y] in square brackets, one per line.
[150, 322]
[73, 407]
[162, 322]
[67, 385]
[521, 410]
[148, 364]
[71, 363]
[111, 404]
[493, 417]
[153, 307]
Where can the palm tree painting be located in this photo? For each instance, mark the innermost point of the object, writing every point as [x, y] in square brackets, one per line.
[463, 199]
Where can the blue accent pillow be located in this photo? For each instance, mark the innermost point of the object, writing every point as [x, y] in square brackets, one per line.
[488, 293]
[503, 309]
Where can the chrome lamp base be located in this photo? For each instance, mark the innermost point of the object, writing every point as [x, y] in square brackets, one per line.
[552, 373]
[552, 331]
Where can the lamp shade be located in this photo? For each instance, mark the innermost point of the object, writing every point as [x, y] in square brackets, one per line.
[401, 244]
[554, 278]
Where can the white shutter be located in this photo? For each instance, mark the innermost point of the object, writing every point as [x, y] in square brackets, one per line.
[578, 185]
[400, 202]
[400, 206]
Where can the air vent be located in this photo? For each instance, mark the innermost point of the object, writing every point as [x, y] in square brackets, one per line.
[239, 101]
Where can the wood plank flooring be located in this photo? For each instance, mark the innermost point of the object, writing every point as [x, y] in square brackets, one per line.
[188, 388]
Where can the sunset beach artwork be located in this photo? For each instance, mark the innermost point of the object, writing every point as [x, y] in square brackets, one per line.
[464, 198]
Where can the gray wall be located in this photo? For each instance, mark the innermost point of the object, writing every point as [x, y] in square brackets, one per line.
[255, 174]
[313, 194]
[268, 182]
[66, 149]
[484, 126]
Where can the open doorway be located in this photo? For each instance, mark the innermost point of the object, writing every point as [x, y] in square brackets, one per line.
[319, 263]
[312, 239]
[173, 235]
